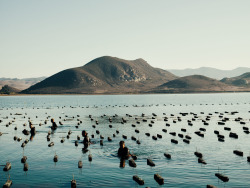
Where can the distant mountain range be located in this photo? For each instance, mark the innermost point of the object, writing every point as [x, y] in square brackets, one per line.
[20, 84]
[112, 75]
[210, 72]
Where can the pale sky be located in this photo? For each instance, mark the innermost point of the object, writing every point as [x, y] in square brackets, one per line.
[43, 37]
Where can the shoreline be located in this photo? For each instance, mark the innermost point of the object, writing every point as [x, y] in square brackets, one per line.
[143, 93]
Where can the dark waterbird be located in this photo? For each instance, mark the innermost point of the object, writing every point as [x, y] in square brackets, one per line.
[25, 167]
[131, 163]
[167, 155]
[198, 154]
[7, 167]
[55, 159]
[159, 179]
[24, 158]
[237, 152]
[150, 163]
[138, 180]
[248, 159]
[7, 184]
[222, 177]
[174, 141]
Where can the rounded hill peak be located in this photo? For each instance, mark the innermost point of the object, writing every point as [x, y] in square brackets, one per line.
[113, 60]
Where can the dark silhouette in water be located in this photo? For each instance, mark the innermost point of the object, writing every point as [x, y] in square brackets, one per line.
[123, 151]
[54, 125]
[32, 129]
[86, 140]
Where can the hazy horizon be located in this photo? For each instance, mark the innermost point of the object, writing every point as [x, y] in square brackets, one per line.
[41, 38]
[156, 67]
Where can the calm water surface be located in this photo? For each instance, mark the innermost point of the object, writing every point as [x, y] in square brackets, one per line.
[182, 170]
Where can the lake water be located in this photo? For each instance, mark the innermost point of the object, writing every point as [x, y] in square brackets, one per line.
[183, 170]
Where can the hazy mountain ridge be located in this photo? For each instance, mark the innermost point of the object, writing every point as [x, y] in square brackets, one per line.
[242, 80]
[104, 75]
[20, 83]
[210, 72]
